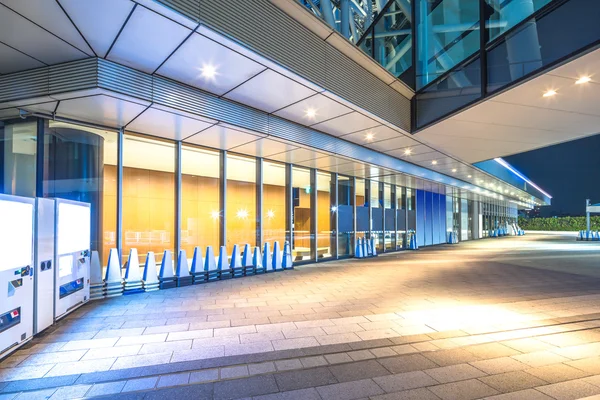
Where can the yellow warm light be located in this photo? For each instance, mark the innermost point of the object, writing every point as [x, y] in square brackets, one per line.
[550, 93]
[434, 162]
[369, 136]
[407, 152]
[215, 214]
[270, 214]
[242, 213]
[454, 170]
[310, 113]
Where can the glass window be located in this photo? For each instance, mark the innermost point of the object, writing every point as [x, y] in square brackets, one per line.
[241, 202]
[362, 209]
[201, 213]
[400, 217]
[326, 209]
[274, 211]
[345, 212]
[148, 196]
[18, 150]
[389, 237]
[505, 15]
[411, 222]
[447, 34]
[376, 196]
[81, 165]
[302, 218]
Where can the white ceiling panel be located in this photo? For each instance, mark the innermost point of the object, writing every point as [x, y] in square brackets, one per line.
[198, 52]
[331, 161]
[269, 91]
[47, 107]
[12, 61]
[346, 124]
[51, 17]
[297, 155]
[391, 144]
[222, 137]
[9, 113]
[372, 135]
[98, 21]
[323, 107]
[166, 124]
[414, 150]
[103, 110]
[27, 37]
[264, 148]
[147, 40]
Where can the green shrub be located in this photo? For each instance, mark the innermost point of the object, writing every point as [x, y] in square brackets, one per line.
[559, 223]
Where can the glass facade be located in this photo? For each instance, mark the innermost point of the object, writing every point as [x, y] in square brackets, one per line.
[241, 202]
[148, 196]
[201, 213]
[180, 197]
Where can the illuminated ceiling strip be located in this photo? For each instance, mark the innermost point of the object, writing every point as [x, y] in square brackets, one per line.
[520, 175]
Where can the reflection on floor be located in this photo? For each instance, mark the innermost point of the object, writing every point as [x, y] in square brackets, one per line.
[497, 318]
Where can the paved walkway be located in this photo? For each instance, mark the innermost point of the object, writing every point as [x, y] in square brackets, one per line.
[506, 318]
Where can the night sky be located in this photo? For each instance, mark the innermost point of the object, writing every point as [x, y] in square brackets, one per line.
[569, 172]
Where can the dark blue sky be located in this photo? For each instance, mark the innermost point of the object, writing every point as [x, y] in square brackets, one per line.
[569, 172]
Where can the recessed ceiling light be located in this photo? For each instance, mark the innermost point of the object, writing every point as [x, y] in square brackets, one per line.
[434, 162]
[583, 79]
[311, 113]
[208, 71]
[242, 214]
[369, 136]
[468, 176]
[454, 170]
[550, 93]
[407, 152]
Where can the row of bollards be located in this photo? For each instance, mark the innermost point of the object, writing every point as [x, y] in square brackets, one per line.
[589, 236]
[365, 248]
[209, 269]
[453, 238]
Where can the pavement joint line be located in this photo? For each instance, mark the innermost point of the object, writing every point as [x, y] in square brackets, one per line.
[330, 353]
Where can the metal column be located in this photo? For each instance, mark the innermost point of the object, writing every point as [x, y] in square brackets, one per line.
[259, 201]
[119, 235]
[178, 152]
[314, 226]
[223, 198]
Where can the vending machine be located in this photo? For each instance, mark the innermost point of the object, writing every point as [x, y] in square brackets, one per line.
[44, 264]
[16, 271]
[72, 248]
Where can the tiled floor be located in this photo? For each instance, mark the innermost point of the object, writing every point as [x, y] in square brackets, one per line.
[506, 318]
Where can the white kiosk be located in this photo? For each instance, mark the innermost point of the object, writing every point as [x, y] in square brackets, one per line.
[16, 272]
[72, 247]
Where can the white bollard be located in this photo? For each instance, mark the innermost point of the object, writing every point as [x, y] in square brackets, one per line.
[133, 279]
[247, 260]
[210, 266]
[182, 274]
[150, 279]
[97, 286]
[267, 262]
[198, 273]
[276, 257]
[166, 276]
[257, 261]
[223, 265]
[113, 280]
[287, 256]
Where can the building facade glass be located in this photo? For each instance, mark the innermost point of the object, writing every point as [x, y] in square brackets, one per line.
[273, 221]
[241, 201]
[345, 211]
[302, 217]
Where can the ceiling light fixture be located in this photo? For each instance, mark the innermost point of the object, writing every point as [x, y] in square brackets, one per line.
[208, 71]
[242, 214]
[468, 176]
[583, 79]
[550, 93]
[310, 113]
[434, 162]
[407, 152]
[215, 214]
[454, 170]
[270, 214]
[369, 136]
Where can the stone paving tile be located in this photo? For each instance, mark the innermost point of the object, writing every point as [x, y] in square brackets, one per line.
[301, 379]
[111, 352]
[81, 367]
[234, 372]
[591, 365]
[464, 390]
[196, 334]
[53, 358]
[358, 370]
[103, 389]
[338, 338]
[141, 360]
[350, 390]
[198, 354]
[512, 381]
[133, 385]
[540, 358]
[143, 339]
[557, 373]
[298, 343]
[338, 358]
[452, 373]
[204, 391]
[581, 351]
[301, 394]
[405, 381]
[492, 350]
[407, 363]
[413, 394]
[89, 344]
[359, 355]
[499, 365]
[528, 345]
[286, 365]
[450, 357]
[248, 387]
[529, 394]
[163, 347]
[203, 376]
[248, 348]
[261, 368]
[569, 390]
[39, 394]
[67, 392]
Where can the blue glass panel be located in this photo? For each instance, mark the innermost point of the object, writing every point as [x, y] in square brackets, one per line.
[507, 13]
[420, 221]
[436, 218]
[443, 218]
[428, 218]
